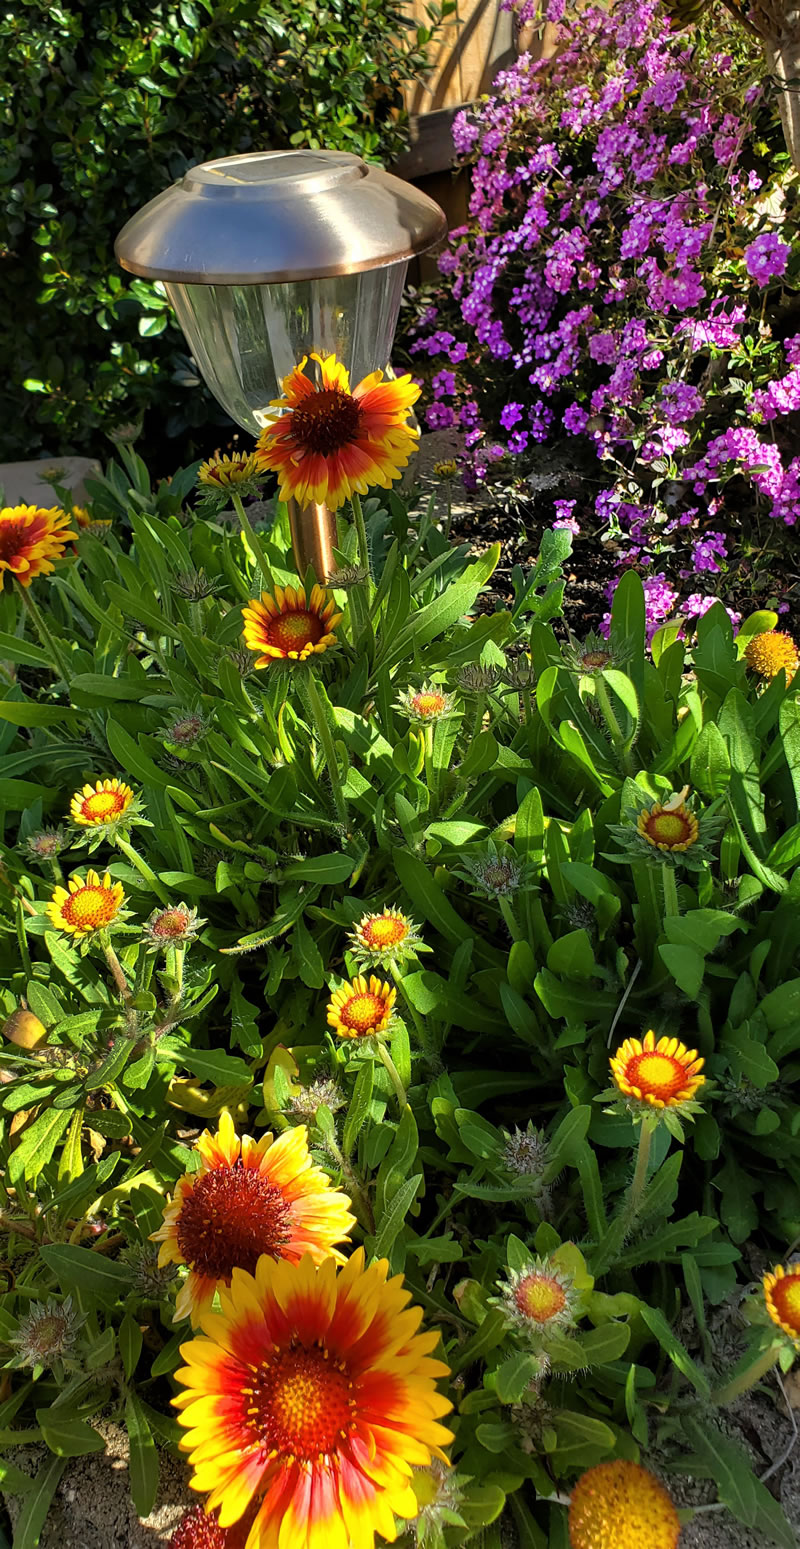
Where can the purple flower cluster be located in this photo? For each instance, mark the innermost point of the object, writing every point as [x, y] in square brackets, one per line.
[623, 238]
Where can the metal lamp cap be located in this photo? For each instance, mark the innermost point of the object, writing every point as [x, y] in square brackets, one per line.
[276, 216]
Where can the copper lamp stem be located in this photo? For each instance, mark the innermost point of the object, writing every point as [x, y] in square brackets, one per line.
[314, 537]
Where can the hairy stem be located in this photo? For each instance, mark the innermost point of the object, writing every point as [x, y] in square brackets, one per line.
[58, 660]
[255, 543]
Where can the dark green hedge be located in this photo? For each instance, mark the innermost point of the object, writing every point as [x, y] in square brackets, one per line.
[104, 103]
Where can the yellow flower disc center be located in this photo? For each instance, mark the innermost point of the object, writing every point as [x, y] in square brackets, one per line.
[327, 421]
[293, 631]
[620, 1505]
[786, 1296]
[103, 805]
[228, 1218]
[428, 704]
[384, 930]
[540, 1297]
[301, 1404]
[361, 1013]
[656, 1074]
[90, 908]
[669, 828]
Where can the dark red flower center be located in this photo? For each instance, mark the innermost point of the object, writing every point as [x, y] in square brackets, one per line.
[232, 1216]
[198, 1531]
[326, 421]
[301, 1403]
[293, 631]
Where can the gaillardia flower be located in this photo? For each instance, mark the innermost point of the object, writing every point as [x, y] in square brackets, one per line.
[386, 937]
[620, 1505]
[30, 539]
[670, 825]
[363, 1008]
[221, 472]
[248, 1198]
[107, 804]
[89, 905]
[314, 1390]
[782, 1296]
[287, 627]
[539, 1298]
[770, 652]
[97, 526]
[658, 1074]
[326, 442]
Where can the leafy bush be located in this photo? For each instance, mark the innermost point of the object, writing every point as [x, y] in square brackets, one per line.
[627, 284]
[104, 105]
[498, 786]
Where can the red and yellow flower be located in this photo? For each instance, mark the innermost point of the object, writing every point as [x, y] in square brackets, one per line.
[620, 1505]
[92, 903]
[669, 826]
[326, 442]
[288, 627]
[248, 1198]
[539, 1298]
[782, 1296]
[314, 1390]
[30, 539]
[362, 1008]
[221, 472]
[768, 653]
[102, 803]
[661, 1073]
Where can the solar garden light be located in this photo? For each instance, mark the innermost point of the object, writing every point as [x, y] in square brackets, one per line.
[271, 256]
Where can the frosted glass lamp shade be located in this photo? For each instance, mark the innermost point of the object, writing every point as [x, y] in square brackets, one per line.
[247, 338]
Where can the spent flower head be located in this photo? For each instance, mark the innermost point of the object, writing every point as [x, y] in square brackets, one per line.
[585, 659]
[46, 1337]
[494, 871]
[323, 1092]
[439, 1493]
[171, 927]
[46, 844]
[385, 937]
[152, 1282]
[345, 579]
[184, 730]
[195, 585]
[526, 1152]
[474, 679]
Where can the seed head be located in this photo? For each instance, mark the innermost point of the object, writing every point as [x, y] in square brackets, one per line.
[46, 843]
[45, 1339]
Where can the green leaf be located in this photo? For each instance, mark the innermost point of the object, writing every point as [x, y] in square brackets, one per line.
[393, 1219]
[710, 768]
[23, 712]
[38, 1143]
[143, 1461]
[359, 1106]
[213, 1065]
[326, 869]
[686, 966]
[67, 1435]
[37, 1504]
[512, 1378]
[428, 898]
[81, 1269]
[678, 1354]
[130, 1344]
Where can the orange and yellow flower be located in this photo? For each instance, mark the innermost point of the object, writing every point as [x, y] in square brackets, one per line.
[769, 652]
[662, 1074]
[326, 442]
[221, 472]
[248, 1198]
[425, 705]
[314, 1390]
[287, 627]
[90, 904]
[782, 1296]
[669, 826]
[30, 539]
[362, 1008]
[104, 802]
[620, 1505]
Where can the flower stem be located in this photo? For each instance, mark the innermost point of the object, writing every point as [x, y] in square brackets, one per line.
[142, 867]
[326, 742]
[750, 1376]
[255, 543]
[117, 970]
[363, 545]
[670, 883]
[58, 661]
[393, 1074]
[359, 1198]
[509, 917]
[646, 1133]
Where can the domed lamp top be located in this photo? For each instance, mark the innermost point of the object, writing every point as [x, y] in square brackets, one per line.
[277, 216]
